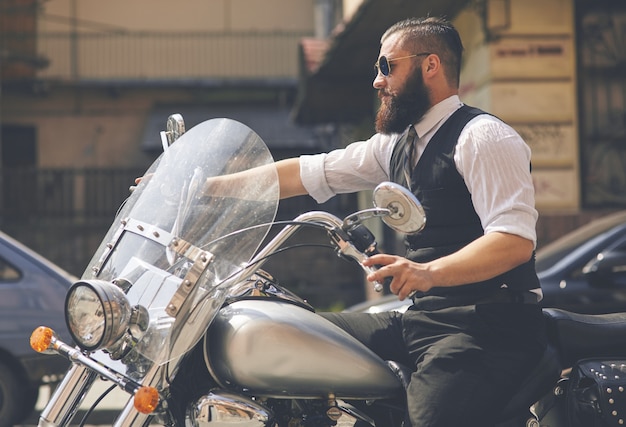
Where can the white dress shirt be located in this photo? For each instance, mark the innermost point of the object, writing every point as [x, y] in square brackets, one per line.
[490, 156]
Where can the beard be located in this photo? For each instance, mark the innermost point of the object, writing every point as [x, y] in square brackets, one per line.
[396, 112]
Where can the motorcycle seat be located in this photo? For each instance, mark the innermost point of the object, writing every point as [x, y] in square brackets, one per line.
[579, 336]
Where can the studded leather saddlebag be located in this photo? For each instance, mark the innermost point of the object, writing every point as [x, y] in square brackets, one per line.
[596, 395]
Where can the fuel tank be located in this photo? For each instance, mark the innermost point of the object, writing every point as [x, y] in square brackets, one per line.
[279, 349]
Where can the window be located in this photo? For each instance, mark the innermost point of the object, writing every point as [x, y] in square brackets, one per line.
[8, 273]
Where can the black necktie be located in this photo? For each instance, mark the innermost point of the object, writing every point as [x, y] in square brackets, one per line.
[409, 152]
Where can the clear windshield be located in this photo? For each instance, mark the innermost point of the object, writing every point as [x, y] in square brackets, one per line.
[181, 237]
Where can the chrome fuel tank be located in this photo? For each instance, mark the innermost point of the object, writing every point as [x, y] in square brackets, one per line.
[278, 349]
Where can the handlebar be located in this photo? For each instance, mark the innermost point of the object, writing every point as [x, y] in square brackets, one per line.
[356, 241]
[353, 241]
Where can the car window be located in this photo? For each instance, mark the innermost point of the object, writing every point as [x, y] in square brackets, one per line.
[621, 247]
[575, 273]
[619, 270]
[555, 251]
[8, 273]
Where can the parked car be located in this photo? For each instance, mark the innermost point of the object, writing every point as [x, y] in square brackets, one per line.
[32, 293]
[584, 271]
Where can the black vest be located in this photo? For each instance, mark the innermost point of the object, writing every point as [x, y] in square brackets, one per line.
[451, 220]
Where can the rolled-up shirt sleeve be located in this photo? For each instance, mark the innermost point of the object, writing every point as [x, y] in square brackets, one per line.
[495, 163]
[490, 155]
[360, 166]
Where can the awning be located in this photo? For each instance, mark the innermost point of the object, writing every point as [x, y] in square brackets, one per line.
[273, 125]
[336, 74]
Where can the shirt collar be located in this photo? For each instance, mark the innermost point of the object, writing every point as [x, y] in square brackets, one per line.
[436, 115]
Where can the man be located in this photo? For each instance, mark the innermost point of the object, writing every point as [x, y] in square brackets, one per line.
[475, 329]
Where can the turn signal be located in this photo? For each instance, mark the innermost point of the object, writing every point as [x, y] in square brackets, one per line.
[41, 339]
[146, 399]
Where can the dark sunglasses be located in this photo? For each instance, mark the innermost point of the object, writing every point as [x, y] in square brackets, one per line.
[383, 65]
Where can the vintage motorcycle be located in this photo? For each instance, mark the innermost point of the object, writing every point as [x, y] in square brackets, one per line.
[175, 309]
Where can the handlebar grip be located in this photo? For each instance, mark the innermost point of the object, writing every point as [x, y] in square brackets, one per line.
[378, 287]
[364, 242]
[387, 280]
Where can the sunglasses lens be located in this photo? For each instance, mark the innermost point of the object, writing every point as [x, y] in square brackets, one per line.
[383, 66]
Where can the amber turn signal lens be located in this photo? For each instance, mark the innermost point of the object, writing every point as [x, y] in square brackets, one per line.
[146, 399]
[41, 338]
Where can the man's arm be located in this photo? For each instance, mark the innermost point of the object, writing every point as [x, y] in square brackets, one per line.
[486, 257]
[289, 181]
[289, 178]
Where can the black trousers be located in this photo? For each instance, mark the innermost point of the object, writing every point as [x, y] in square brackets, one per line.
[468, 359]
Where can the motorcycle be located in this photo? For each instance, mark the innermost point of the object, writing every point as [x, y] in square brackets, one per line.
[175, 310]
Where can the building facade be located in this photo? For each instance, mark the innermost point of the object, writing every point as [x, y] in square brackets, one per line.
[553, 69]
[87, 85]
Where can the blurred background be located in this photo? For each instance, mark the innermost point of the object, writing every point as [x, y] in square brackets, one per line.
[86, 86]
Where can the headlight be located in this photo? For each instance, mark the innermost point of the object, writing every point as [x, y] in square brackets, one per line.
[97, 313]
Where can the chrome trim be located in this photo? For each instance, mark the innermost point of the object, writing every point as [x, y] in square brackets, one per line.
[84, 361]
[323, 218]
[67, 397]
[115, 308]
[148, 231]
[223, 409]
[201, 260]
[129, 416]
[109, 247]
[262, 285]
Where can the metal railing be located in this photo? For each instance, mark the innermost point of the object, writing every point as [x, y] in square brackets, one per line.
[94, 195]
[64, 213]
[150, 56]
[84, 195]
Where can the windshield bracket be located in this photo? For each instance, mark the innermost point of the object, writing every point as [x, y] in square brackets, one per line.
[201, 259]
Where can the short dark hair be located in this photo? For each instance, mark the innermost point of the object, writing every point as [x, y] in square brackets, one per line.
[435, 35]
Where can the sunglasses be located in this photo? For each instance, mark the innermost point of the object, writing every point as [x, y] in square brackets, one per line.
[383, 65]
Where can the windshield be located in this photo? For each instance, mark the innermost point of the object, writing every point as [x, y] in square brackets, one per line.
[180, 239]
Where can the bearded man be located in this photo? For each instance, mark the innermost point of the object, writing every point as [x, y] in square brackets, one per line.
[475, 329]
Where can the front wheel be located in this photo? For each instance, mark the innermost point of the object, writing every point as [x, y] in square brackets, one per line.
[30, 394]
[11, 392]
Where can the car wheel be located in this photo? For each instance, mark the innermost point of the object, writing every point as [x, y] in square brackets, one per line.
[10, 393]
[30, 395]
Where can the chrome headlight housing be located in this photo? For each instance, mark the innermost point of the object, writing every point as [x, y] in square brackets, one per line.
[97, 313]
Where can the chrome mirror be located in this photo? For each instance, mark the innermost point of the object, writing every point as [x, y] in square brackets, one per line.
[406, 214]
[175, 129]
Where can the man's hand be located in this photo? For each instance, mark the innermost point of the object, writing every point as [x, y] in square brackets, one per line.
[138, 180]
[407, 276]
[486, 257]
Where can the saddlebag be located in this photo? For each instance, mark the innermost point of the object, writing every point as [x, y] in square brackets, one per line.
[596, 394]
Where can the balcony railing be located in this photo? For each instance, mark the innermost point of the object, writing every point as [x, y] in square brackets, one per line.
[94, 195]
[158, 56]
[66, 195]
[64, 213]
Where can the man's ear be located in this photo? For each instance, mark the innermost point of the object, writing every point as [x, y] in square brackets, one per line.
[431, 66]
[432, 62]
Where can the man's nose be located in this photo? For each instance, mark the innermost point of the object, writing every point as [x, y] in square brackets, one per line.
[379, 81]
